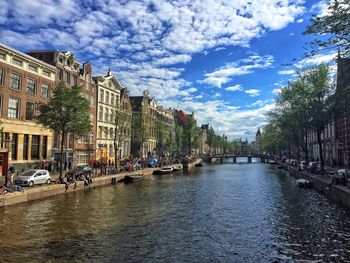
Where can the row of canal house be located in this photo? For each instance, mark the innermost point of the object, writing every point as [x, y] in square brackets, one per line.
[27, 79]
[336, 135]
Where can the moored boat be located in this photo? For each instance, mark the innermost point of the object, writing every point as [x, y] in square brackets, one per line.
[164, 170]
[131, 178]
[199, 164]
[177, 167]
[303, 183]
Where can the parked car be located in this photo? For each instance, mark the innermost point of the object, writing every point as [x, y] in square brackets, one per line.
[32, 177]
[314, 167]
[152, 162]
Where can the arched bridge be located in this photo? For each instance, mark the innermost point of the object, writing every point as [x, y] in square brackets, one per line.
[221, 158]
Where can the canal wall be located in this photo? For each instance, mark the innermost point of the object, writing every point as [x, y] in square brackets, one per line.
[35, 193]
[190, 165]
[337, 193]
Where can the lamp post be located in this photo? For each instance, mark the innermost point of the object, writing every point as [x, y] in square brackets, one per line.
[7, 145]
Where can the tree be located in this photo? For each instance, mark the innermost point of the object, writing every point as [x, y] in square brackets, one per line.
[141, 125]
[122, 123]
[66, 112]
[333, 27]
[191, 134]
[163, 137]
[179, 134]
[320, 102]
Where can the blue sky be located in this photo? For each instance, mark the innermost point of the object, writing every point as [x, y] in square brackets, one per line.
[224, 60]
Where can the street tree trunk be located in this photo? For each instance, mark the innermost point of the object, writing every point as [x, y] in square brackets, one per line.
[320, 149]
[61, 153]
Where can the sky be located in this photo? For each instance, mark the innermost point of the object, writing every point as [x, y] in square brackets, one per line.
[224, 60]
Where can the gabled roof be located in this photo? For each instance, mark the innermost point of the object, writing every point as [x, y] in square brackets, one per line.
[181, 116]
[205, 126]
[136, 102]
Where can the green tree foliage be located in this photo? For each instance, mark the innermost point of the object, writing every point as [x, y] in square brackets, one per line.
[191, 134]
[333, 28]
[179, 137]
[122, 122]
[163, 137]
[141, 127]
[306, 105]
[67, 111]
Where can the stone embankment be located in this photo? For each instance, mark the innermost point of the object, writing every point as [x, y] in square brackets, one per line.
[30, 194]
[338, 193]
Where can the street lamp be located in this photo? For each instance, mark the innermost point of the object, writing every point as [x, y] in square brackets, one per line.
[7, 145]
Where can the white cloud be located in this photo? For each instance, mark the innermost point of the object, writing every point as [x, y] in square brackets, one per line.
[221, 115]
[277, 91]
[300, 20]
[237, 87]
[144, 47]
[316, 60]
[241, 67]
[286, 72]
[253, 92]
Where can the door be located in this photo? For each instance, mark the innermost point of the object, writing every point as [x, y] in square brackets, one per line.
[38, 178]
[3, 163]
[2, 157]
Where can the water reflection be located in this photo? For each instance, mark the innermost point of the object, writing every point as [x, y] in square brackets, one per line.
[218, 213]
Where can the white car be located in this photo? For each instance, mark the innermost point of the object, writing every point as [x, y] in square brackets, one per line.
[32, 177]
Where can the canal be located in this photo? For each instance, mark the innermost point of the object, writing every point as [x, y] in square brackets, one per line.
[217, 213]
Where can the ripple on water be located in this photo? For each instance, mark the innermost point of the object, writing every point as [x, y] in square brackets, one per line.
[220, 213]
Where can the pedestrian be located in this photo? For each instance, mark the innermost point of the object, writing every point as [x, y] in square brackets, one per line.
[69, 164]
[109, 162]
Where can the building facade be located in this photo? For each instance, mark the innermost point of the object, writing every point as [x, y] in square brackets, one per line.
[124, 134]
[25, 82]
[166, 117]
[343, 122]
[144, 117]
[72, 73]
[108, 89]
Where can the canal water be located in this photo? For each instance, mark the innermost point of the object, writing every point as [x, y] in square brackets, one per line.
[217, 213]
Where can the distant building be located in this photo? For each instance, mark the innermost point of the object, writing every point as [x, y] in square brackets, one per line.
[204, 149]
[24, 82]
[257, 145]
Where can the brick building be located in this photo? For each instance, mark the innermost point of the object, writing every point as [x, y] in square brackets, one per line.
[24, 82]
[342, 123]
[71, 72]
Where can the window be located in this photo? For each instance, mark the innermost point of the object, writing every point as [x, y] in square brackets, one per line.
[67, 78]
[25, 146]
[13, 108]
[2, 56]
[100, 114]
[75, 80]
[30, 111]
[32, 68]
[15, 81]
[1, 102]
[46, 73]
[35, 147]
[17, 61]
[112, 99]
[111, 133]
[45, 90]
[1, 76]
[111, 116]
[107, 97]
[31, 85]
[101, 95]
[106, 115]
